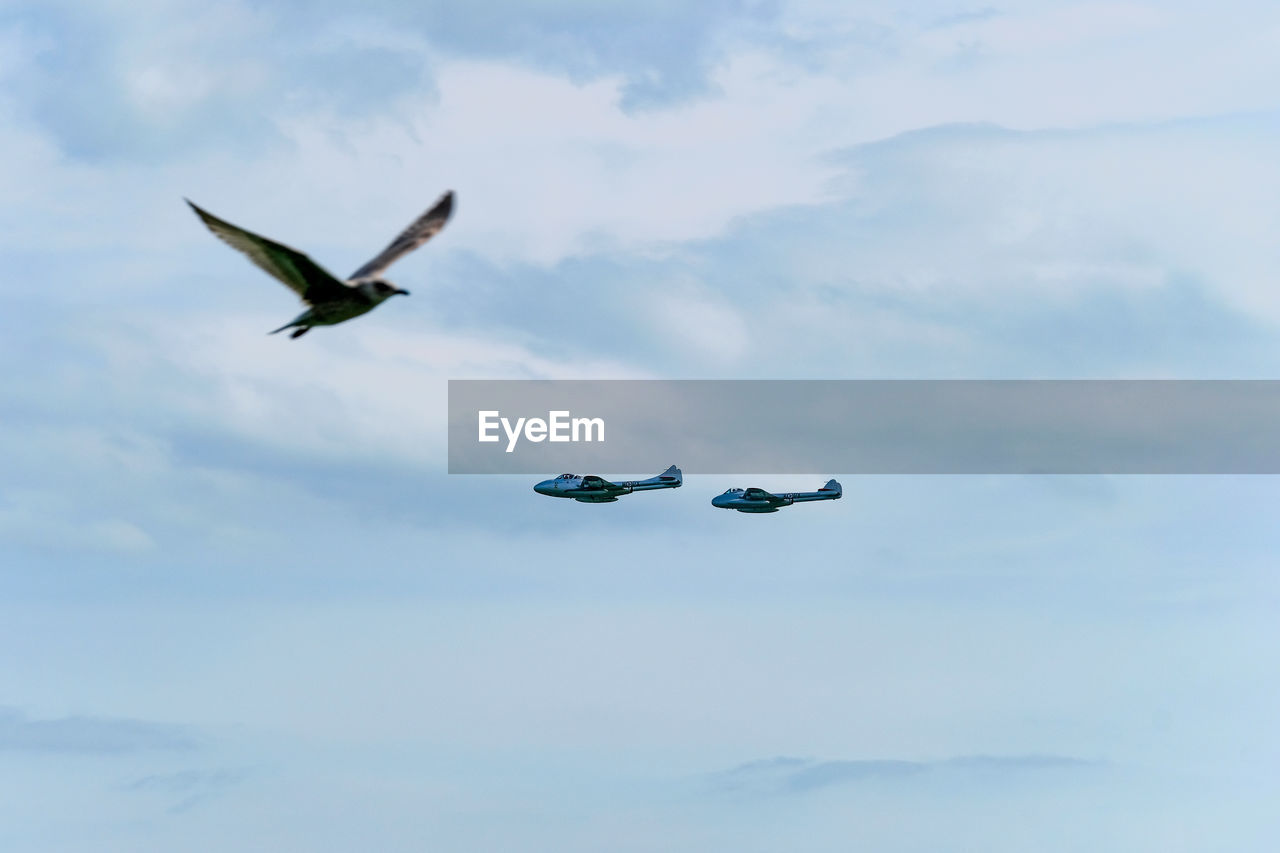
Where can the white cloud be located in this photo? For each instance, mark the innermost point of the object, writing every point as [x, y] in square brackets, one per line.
[120, 535]
[376, 393]
[701, 325]
[89, 734]
[547, 168]
[52, 519]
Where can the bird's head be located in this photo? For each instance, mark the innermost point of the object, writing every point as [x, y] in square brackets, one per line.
[380, 289]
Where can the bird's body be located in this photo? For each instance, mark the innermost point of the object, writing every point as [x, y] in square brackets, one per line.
[360, 300]
[330, 300]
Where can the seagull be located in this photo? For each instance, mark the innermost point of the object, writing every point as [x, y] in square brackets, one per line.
[331, 299]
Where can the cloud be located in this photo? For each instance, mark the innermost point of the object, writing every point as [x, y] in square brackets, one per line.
[122, 82]
[956, 251]
[118, 82]
[662, 51]
[799, 775]
[44, 517]
[165, 415]
[1028, 65]
[188, 788]
[86, 734]
[196, 439]
[549, 168]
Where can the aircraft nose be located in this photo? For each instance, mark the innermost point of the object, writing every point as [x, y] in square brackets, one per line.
[544, 488]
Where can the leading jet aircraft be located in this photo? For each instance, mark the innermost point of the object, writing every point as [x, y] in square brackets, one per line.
[758, 500]
[590, 489]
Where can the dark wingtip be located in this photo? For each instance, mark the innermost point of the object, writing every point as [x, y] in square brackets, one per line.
[444, 206]
[201, 212]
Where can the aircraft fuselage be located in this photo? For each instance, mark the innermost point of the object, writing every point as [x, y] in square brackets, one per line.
[735, 500]
[758, 500]
[591, 489]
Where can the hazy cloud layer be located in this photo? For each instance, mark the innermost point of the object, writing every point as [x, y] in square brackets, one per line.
[126, 81]
[188, 789]
[799, 775]
[86, 734]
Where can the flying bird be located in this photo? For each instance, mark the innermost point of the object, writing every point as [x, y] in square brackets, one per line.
[330, 300]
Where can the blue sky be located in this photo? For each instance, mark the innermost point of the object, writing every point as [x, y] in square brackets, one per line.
[244, 607]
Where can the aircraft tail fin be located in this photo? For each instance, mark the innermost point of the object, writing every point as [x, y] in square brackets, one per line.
[832, 486]
[668, 479]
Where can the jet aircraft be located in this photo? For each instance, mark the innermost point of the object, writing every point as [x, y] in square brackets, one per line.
[590, 489]
[758, 500]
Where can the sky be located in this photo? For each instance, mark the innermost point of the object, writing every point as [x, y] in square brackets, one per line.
[242, 605]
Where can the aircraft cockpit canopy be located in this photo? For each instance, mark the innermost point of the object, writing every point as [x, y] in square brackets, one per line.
[567, 477]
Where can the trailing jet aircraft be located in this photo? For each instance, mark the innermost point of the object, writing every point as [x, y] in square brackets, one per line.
[590, 489]
[758, 500]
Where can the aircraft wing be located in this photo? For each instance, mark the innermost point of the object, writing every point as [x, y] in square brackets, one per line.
[757, 494]
[591, 481]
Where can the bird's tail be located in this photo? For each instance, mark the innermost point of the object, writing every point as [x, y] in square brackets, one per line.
[282, 328]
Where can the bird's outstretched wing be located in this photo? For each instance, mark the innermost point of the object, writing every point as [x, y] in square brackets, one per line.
[304, 276]
[423, 229]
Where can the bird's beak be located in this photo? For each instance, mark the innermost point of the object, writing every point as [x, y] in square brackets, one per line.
[402, 292]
